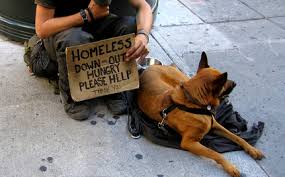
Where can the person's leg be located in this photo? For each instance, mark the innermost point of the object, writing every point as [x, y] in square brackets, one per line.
[56, 46]
[112, 26]
[123, 26]
[117, 103]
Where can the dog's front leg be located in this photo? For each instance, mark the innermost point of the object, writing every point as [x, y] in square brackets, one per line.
[252, 151]
[195, 147]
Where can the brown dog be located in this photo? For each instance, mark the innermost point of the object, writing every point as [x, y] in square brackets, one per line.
[164, 86]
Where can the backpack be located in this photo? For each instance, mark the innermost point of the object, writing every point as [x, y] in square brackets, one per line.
[37, 59]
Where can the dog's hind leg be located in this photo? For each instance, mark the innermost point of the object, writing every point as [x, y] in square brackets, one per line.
[195, 147]
[252, 151]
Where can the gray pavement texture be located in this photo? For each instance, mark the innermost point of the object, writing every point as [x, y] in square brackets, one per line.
[246, 38]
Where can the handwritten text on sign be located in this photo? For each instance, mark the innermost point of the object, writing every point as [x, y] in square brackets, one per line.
[99, 68]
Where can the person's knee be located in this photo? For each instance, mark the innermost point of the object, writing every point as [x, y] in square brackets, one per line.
[127, 26]
[71, 37]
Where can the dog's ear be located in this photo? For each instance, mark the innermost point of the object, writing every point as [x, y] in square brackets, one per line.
[219, 82]
[203, 62]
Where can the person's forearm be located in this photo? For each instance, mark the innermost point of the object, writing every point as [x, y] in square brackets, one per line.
[144, 18]
[55, 25]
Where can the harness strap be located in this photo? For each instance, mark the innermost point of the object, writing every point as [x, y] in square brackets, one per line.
[170, 108]
[196, 110]
[167, 110]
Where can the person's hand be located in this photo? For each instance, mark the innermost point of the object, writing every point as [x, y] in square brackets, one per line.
[139, 50]
[97, 10]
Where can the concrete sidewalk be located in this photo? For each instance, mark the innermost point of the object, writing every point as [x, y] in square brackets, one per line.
[246, 38]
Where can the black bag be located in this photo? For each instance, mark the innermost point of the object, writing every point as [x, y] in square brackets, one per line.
[37, 58]
[140, 124]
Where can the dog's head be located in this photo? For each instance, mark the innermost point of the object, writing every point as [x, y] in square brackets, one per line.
[208, 86]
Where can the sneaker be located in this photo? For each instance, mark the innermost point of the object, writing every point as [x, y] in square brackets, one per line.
[116, 104]
[77, 110]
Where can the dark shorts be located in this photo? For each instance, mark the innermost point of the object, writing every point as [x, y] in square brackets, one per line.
[110, 26]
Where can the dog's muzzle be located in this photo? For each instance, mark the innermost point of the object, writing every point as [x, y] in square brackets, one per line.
[228, 88]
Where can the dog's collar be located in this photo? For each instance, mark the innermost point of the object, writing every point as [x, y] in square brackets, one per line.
[201, 111]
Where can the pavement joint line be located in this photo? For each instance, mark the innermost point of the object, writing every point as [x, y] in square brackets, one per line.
[191, 11]
[170, 26]
[210, 23]
[168, 50]
[251, 8]
[241, 20]
[276, 16]
[167, 53]
[277, 24]
[238, 47]
[208, 50]
[263, 169]
[265, 17]
[185, 24]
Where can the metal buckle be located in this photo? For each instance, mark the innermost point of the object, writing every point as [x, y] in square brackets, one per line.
[162, 122]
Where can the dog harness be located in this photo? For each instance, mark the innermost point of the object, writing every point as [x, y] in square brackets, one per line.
[203, 111]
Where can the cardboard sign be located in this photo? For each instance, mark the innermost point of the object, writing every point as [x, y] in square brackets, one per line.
[99, 68]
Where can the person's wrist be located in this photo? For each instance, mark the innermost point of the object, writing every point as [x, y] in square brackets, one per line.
[142, 32]
[91, 15]
[142, 38]
[88, 15]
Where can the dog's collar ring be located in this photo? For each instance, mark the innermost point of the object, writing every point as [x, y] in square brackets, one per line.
[209, 107]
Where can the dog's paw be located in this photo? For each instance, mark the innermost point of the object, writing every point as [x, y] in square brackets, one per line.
[255, 153]
[232, 170]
